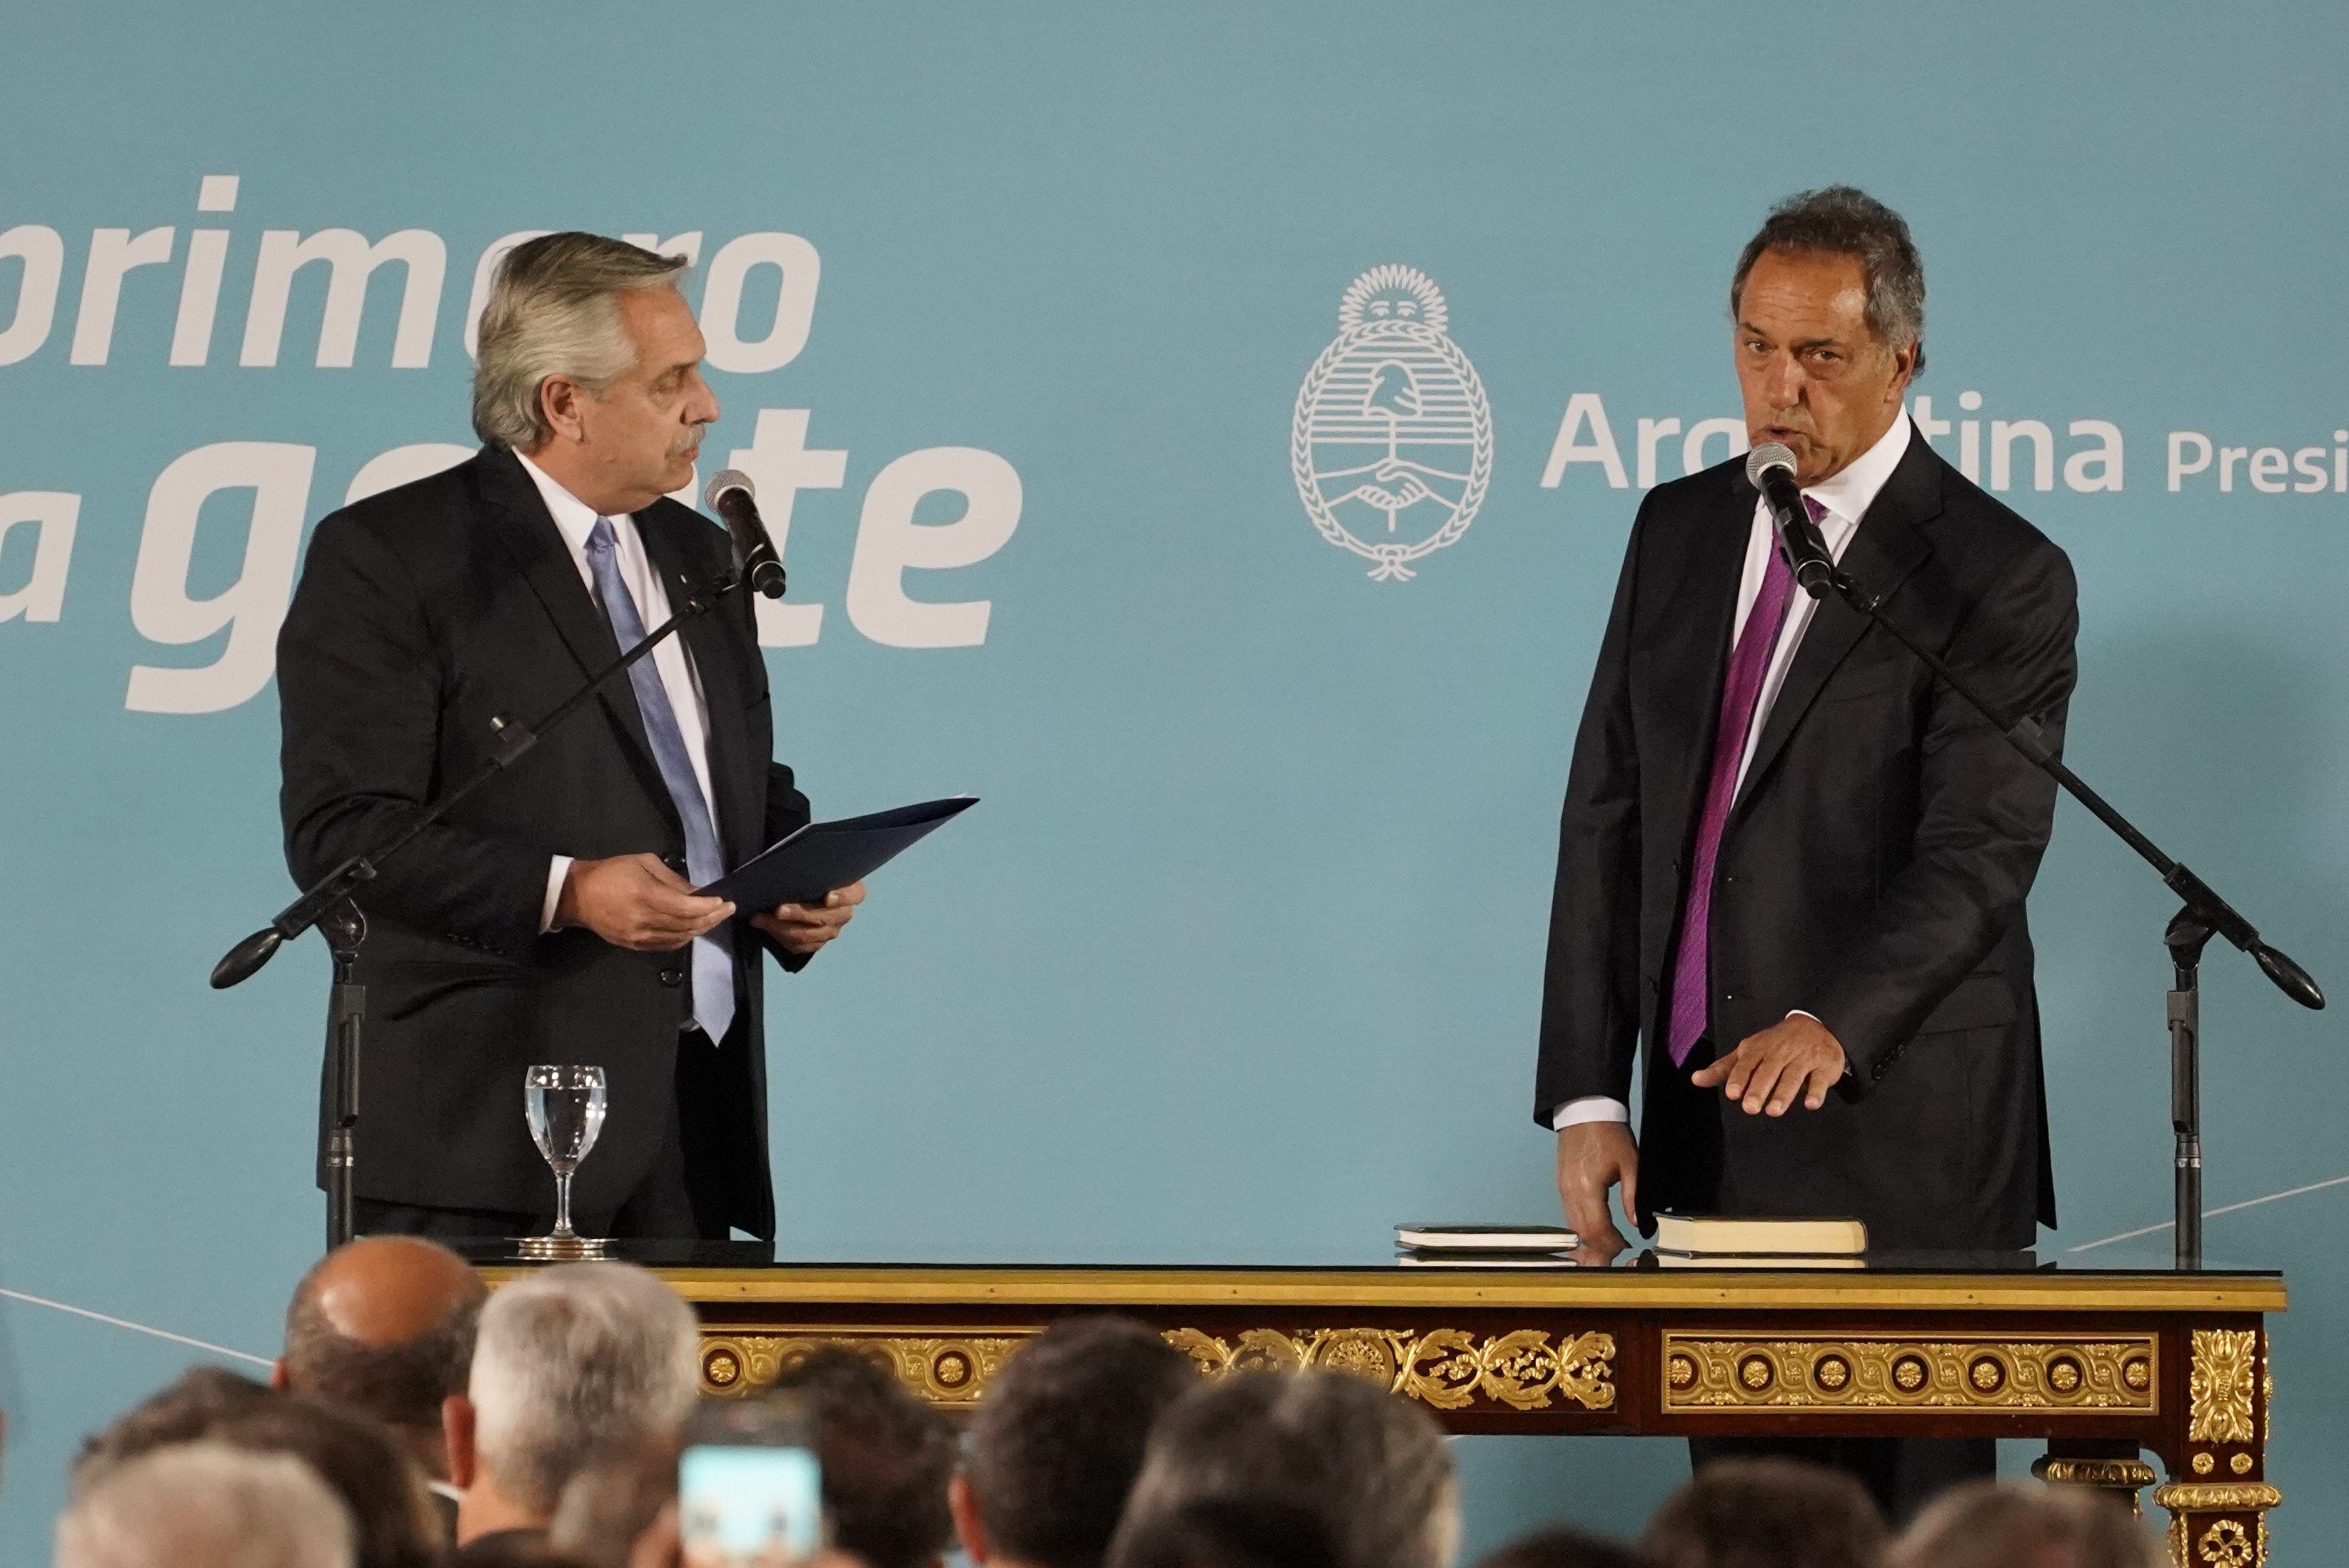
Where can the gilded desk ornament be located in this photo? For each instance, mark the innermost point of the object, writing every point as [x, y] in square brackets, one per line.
[2222, 1543]
[2221, 1384]
[1707, 1371]
[1446, 1367]
[944, 1368]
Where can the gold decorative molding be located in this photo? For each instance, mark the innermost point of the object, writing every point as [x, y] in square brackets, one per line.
[945, 1368]
[1446, 1367]
[2222, 1543]
[2113, 1475]
[2221, 1385]
[1702, 1372]
[1449, 1368]
[2217, 1497]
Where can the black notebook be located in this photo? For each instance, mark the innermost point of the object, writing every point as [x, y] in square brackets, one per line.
[803, 867]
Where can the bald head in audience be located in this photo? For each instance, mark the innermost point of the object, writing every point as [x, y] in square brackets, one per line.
[384, 1327]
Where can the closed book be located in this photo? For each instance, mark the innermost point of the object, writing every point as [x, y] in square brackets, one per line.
[1485, 1260]
[1712, 1235]
[1485, 1238]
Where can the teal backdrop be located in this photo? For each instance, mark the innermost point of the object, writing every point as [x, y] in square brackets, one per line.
[1240, 959]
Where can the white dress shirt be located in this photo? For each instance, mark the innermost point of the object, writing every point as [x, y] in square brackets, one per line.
[1846, 497]
[576, 520]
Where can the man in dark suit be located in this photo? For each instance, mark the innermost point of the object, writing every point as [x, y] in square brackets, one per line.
[550, 918]
[1789, 859]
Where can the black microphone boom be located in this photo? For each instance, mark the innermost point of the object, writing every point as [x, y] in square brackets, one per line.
[1771, 468]
[731, 495]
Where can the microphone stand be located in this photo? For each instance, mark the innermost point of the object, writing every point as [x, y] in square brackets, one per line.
[327, 903]
[2203, 915]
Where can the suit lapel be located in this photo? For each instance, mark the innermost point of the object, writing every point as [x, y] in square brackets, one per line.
[1884, 549]
[531, 537]
[718, 666]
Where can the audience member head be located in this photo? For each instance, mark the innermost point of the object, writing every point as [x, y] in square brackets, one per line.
[621, 1510]
[181, 1411]
[571, 1362]
[1057, 1442]
[1766, 1513]
[205, 1505]
[1995, 1524]
[379, 1486]
[1234, 1532]
[1564, 1546]
[885, 1454]
[394, 1522]
[1368, 1466]
[384, 1327]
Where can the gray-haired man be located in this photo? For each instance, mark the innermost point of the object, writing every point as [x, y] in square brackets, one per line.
[573, 1364]
[550, 918]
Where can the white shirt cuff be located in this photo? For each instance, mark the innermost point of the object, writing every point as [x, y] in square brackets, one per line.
[1590, 1108]
[558, 872]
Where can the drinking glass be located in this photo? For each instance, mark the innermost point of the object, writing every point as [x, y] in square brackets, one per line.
[565, 1108]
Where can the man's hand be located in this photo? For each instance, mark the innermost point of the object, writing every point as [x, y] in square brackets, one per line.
[1767, 1071]
[803, 928]
[1592, 1156]
[634, 901]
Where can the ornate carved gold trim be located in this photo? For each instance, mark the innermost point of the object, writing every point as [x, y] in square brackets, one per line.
[1449, 1368]
[2221, 1385]
[946, 1367]
[2114, 1475]
[2217, 1497]
[1708, 1370]
[1446, 1367]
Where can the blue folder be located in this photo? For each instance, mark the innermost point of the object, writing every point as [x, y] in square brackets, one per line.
[803, 867]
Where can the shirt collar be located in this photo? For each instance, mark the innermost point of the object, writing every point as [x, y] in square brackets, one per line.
[1850, 495]
[573, 516]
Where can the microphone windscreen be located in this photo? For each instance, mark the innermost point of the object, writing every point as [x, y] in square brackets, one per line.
[727, 480]
[1770, 454]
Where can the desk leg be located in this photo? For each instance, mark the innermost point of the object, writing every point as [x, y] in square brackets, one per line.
[2218, 1519]
[2113, 1469]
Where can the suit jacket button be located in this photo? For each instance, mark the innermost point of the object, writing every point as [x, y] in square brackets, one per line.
[672, 976]
[675, 863]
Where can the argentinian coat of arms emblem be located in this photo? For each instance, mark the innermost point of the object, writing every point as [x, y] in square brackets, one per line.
[1392, 446]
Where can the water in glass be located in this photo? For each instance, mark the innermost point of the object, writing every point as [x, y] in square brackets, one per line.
[565, 1109]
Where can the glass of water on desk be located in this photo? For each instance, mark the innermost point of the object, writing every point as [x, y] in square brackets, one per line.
[565, 1109]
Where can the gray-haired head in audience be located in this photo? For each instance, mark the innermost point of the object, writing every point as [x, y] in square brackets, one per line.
[206, 1505]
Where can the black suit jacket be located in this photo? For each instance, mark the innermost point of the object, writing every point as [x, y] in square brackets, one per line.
[1872, 871]
[422, 612]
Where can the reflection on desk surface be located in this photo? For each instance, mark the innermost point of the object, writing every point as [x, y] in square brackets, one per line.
[2152, 1259]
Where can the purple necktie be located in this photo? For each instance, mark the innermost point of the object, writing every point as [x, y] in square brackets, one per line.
[1740, 690]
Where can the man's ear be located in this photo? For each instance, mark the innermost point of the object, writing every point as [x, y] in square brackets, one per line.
[279, 1378]
[558, 405]
[457, 1417]
[968, 1526]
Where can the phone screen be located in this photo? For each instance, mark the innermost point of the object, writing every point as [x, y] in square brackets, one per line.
[749, 1506]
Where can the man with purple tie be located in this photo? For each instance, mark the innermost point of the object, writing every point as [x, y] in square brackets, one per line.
[1789, 860]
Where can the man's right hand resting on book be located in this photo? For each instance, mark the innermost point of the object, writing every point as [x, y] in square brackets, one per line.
[1593, 1158]
[635, 901]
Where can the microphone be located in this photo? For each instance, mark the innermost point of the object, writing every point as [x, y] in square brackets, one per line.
[1771, 469]
[730, 495]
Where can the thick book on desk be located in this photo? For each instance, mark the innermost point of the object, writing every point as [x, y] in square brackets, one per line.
[1712, 1236]
[800, 867]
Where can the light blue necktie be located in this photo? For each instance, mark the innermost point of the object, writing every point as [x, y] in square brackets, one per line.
[713, 956]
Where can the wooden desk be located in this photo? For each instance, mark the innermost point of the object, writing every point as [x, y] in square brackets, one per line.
[2100, 1364]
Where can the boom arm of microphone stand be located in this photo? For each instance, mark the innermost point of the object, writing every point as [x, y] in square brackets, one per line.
[2203, 905]
[508, 745]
